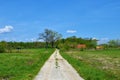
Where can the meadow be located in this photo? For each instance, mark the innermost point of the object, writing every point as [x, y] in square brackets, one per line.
[95, 65]
[23, 64]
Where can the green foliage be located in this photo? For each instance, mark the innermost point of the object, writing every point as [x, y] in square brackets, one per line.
[72, 42]
[9, 46]
[2, 49]
[114, 43]
[95, 65]
[3, 46]
[49, 37]
[81, 49]
[23, 66]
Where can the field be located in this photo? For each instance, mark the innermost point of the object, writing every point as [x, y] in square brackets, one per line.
[95, 65]
[22, 65]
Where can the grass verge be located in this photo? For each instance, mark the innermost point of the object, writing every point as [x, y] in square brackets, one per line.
[23, 65]
[95, 65]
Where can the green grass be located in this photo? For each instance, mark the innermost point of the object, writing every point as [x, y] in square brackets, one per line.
[95, 65]
[23, 65]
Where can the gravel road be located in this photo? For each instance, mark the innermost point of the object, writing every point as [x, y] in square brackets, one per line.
[57, 68]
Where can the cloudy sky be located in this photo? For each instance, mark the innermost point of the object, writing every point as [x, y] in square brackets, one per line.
[23, 20]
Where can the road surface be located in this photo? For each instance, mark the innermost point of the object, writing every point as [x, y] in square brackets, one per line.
[57, 68]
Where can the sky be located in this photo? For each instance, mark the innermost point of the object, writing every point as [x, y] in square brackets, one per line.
[23, 20]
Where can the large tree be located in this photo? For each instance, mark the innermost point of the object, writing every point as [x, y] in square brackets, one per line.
[50, 36]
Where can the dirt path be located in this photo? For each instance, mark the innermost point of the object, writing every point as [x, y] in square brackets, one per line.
[57, 68]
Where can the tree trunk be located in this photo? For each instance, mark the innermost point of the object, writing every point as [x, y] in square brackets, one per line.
[52, 44]
[46, 45]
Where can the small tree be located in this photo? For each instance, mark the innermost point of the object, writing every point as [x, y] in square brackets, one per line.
[2, 49]
[3, 46]
[114, 43]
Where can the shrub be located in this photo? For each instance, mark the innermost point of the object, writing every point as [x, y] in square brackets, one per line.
[2, 49]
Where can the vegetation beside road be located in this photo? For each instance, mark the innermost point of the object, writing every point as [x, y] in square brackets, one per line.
[23, 65]
[95, 65]
[92, 61]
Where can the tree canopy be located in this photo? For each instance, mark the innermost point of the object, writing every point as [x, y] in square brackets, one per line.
[49, 36]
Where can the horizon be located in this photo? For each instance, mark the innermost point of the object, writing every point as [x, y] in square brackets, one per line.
[23, 20]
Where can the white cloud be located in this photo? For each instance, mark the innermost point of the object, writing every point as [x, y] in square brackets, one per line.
[71, 31]
[6, 29]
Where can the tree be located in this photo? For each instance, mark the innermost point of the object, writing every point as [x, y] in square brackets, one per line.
[73, 41]
[114, 43]
[50, 36]
[2, 49]
[45, 36]
[54, 36]
[3, 46]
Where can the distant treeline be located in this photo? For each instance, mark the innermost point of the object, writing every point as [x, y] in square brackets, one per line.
[73, 42]
[21, 45]
[8, 46]
[63, 44]
[67, 43]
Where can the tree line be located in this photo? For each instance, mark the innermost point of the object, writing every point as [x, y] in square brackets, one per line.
[73, 41]
[52, 39]
[9, 46]
[112, 44]
[67, 43]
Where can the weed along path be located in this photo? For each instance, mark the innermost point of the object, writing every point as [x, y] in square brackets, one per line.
[57, 68]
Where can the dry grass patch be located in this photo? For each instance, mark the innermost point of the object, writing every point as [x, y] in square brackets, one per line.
[107, 61]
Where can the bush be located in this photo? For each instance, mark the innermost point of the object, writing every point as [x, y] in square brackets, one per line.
[81, 49]
[2, 49]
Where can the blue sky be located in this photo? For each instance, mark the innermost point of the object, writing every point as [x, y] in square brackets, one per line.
[23, 20]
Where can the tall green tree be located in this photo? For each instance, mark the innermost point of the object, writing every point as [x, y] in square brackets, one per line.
[3, 46]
